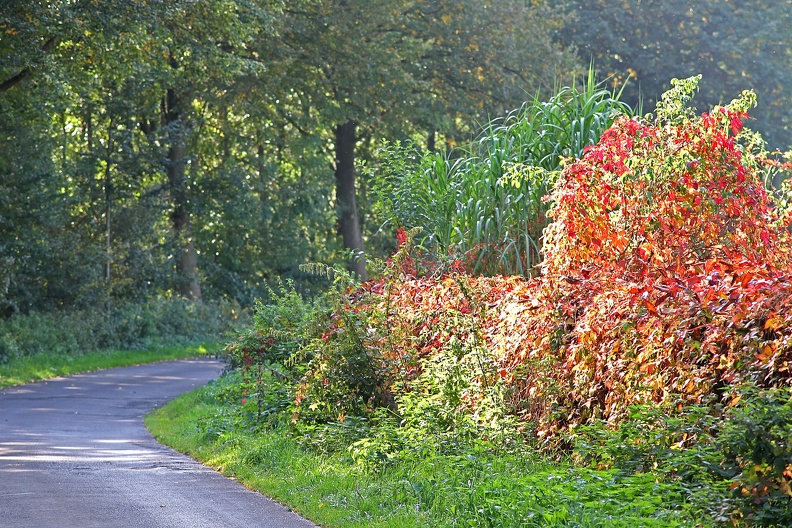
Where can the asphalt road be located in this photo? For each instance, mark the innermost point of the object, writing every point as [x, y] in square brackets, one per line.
[74, 453]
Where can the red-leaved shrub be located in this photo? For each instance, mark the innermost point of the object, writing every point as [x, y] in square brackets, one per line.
[666, 276]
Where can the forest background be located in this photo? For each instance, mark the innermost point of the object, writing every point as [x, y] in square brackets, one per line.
[201, 149]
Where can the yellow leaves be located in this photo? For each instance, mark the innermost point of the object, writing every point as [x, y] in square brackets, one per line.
[766, 353]
[783, 487]
[773, 323]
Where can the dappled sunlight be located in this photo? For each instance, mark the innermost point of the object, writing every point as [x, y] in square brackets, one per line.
[88, 421]
[110, 456]
[65, 450]
[20, 390]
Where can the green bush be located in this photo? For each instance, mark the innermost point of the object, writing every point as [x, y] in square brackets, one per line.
[735, 462]
[756, 442]
[115, 326]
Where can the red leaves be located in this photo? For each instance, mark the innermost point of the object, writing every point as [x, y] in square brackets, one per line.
[651, 308]
[401, 237]
[684, 258]
[667, 273]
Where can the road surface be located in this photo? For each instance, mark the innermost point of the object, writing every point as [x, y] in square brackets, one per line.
[74, 453]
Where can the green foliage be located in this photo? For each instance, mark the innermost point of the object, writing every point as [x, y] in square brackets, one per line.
[486, 201]
[447, 410]
[140, 136]
[347, 372]
[734, 45]
[756, 445]
[733, 463]
[273, 353]
[114, 326]
[473, 487]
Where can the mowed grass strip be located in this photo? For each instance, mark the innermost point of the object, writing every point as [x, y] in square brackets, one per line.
[37, 367]
[474, 489]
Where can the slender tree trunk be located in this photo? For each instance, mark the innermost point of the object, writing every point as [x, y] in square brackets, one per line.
[348, 222]
[187, 283]
[430, 141]
[108, 190]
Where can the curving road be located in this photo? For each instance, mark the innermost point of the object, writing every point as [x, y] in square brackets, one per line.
[74, 453]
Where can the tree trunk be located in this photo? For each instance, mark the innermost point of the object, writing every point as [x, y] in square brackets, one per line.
[108, 190]
[186, 257]
[348, 222]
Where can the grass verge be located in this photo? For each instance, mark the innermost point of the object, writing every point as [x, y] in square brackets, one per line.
[476, 488]
[43, 366]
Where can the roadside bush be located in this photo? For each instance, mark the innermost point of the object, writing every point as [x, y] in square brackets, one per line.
[659, 301]
[656, 282]
[755, 440]
[115, 326]
[272, 355]
[733, 461]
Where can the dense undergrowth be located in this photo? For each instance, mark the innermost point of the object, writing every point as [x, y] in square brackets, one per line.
[470, 485]
[115, 326]
[655, 342]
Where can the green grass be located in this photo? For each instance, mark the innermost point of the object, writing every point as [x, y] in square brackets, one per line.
[477, 488]
[43, 366]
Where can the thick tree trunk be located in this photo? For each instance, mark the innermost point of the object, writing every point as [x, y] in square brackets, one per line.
[348, 222]
[187, 283]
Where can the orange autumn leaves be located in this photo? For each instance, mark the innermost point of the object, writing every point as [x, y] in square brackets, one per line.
[667, 277]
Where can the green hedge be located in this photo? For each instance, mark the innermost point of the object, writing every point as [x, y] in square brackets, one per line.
[115, 326]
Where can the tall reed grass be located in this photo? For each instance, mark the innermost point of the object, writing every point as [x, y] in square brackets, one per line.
[485, 202]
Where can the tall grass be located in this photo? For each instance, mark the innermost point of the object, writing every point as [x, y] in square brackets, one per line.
[486, 201]
[474, 486]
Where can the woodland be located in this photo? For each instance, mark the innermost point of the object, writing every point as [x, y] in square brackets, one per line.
[433, 232]
[201, 149]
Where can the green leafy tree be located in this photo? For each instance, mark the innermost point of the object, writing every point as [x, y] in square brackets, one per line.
[364, 70]
[115, 86]
[204, 147]
[734, 45]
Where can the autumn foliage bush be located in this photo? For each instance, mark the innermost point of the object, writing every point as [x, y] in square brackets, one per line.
[666, 271]
[666, 281]
[666, 275]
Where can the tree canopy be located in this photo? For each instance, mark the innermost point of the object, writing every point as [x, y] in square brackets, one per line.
[205, 147]
[734, 46]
